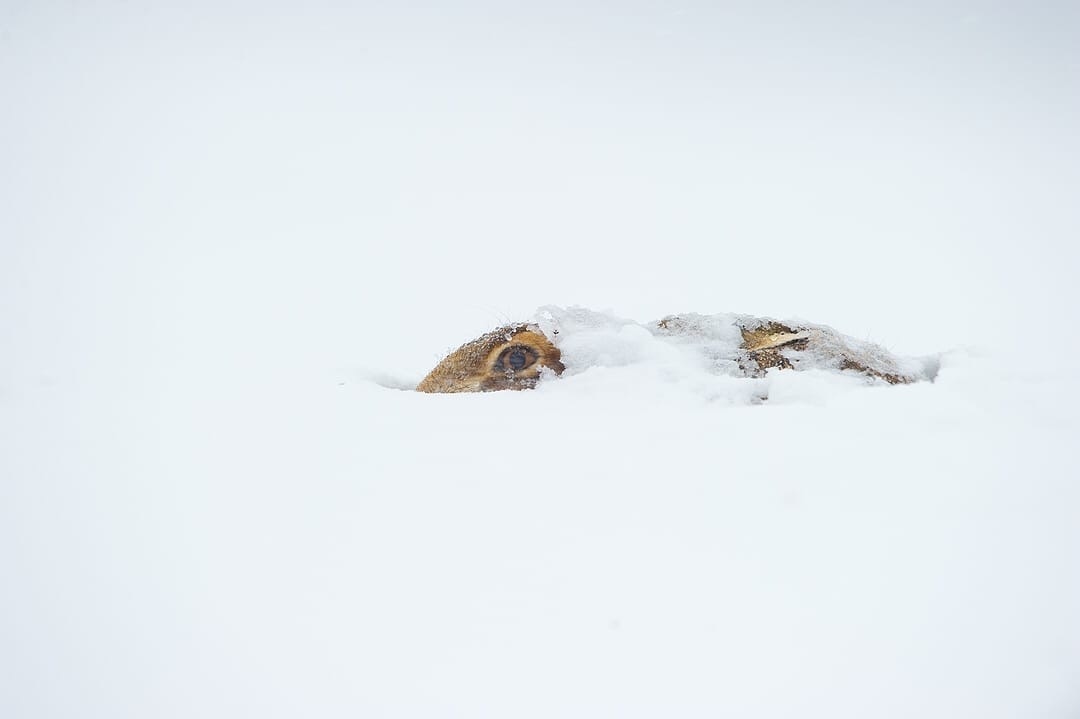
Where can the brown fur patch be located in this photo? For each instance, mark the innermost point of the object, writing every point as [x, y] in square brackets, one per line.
[890, 377]
[485, 364]
[764, 345]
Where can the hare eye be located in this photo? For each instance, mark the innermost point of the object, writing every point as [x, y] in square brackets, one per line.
[515, 359]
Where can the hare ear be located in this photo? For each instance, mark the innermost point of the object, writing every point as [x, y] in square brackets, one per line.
[771, 336]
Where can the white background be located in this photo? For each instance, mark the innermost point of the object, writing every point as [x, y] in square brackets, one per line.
[213, 214]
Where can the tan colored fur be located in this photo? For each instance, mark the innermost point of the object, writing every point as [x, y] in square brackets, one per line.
[481, 366]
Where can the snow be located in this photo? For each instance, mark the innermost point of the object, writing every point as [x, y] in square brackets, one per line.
[233, 237]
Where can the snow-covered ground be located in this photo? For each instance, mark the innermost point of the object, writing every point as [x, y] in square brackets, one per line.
[231, 233]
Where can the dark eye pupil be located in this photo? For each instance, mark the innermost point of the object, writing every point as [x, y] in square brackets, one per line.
[516, 360]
